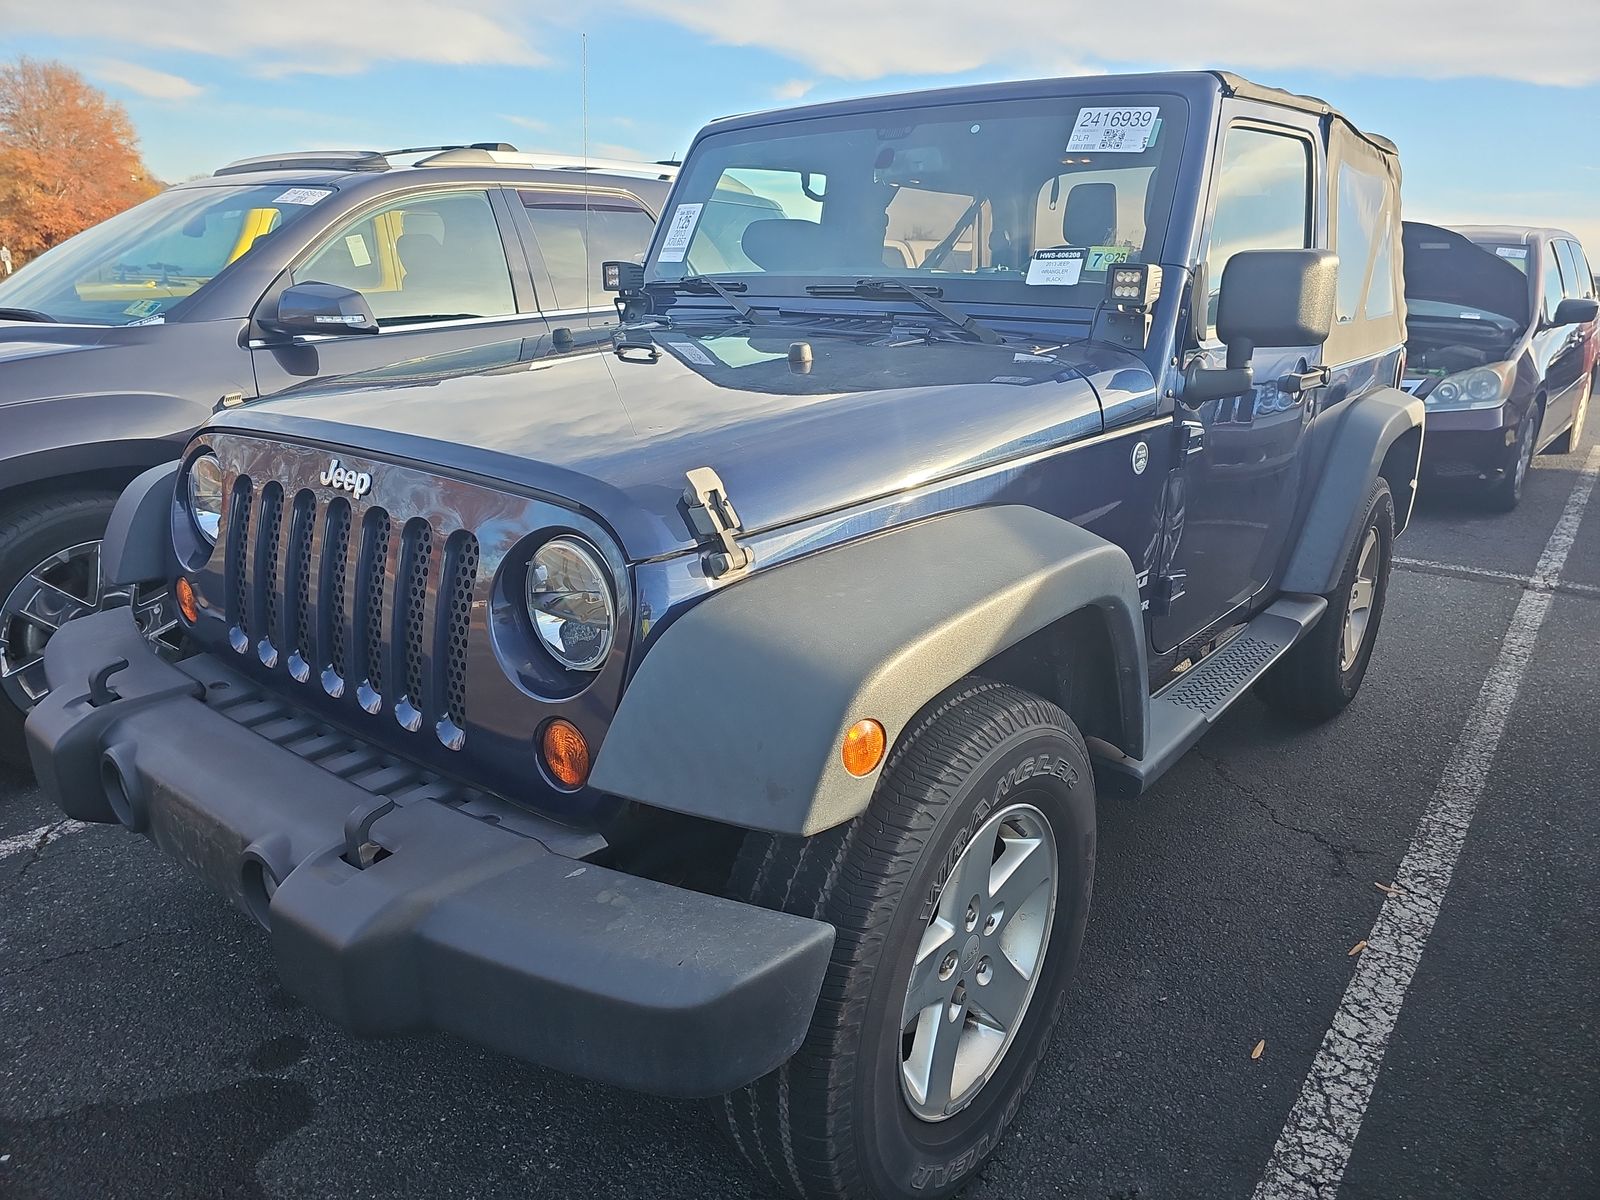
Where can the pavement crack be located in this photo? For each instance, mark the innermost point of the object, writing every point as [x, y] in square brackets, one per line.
[51, 960]
[1338, 850]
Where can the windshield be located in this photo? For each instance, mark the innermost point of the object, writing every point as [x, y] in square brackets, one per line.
[1029, 201]
[140, 263]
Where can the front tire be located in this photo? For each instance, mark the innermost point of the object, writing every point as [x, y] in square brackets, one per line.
[960, 898]
[1319, 677]
[1506, 492]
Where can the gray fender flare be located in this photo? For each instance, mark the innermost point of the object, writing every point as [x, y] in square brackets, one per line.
[738, 712]
[138, 542]
[1370, 439]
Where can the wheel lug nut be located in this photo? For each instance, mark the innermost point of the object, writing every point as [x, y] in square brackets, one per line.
[972, 914]
[985, 971]
[947, 968]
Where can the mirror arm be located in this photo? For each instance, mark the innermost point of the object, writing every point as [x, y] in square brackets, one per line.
[1240, 351]
[1201, 384]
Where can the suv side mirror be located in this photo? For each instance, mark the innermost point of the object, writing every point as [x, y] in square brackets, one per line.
[321, 308]
[1276, 298]
[1575, 311]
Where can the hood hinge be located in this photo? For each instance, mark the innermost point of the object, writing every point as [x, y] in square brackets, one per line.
[714, 523]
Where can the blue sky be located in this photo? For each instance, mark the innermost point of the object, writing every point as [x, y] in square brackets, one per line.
[1496, 110]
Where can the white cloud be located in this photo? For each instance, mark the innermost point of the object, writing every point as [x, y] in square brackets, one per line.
[524, 122]
[296, 36]
[794, 89]
[157, 85]
[1426, 38]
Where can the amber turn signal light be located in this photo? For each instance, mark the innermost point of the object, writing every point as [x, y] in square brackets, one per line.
[864, 744]
[566, 753]
[188, 605]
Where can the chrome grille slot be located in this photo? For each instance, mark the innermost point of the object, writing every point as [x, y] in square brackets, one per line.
[266, 604]
[298, 633]
[332, 590]
[374, 566]
[411, 601]
[455, 617]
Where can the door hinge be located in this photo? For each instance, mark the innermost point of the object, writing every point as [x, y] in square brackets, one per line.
[714, 523]
[1167, 588]
[1191, 438]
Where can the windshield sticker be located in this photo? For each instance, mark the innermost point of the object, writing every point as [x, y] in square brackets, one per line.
[158, 319]
[691, 352]
[1101, 257]
[1012, 379]
[1114, 130]
[684, 218]
[1511, 251]
[302, 195]
[1054, 268]
[142, 308]
[357, 245]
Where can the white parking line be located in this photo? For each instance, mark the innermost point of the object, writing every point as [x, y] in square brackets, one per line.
[38, 839]
[1308, 1162]
[1466, 572]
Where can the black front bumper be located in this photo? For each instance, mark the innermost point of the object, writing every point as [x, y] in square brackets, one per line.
[471, 916]
[1470, 442]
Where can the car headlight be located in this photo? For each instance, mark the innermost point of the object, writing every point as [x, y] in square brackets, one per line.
[204, 480]
[1481, 387]
[569, 601]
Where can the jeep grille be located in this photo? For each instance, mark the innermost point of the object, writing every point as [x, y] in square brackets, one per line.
[306, 594]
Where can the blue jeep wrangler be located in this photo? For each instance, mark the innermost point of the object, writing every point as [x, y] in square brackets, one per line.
[722, 712]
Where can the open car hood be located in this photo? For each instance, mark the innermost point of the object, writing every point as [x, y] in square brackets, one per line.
[1445, 266]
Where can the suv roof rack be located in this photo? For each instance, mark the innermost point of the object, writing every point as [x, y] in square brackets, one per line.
[484, 156]
[318, 160]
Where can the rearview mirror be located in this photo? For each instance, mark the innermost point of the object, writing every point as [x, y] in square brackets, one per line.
[1575, 311]
[321, 308]
[1276, 298]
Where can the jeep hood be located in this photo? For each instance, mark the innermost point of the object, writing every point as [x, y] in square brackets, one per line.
[1445, 266]
[615, 432]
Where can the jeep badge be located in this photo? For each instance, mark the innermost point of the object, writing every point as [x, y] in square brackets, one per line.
[357, 483]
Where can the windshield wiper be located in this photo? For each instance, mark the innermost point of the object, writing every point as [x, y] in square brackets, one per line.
[924, 294]
[26, 314]
[706, 283]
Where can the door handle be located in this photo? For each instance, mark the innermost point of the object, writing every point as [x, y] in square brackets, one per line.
[1299, 382]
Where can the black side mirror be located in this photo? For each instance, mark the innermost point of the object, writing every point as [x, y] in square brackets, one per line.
[1575, 311]
[321, 308]
[1276, 298]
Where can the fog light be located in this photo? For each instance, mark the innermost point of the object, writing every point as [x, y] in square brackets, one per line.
[566, 753]
[188, 604]
[864, 743]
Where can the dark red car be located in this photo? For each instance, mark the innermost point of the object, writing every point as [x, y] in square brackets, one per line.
[1501, 346]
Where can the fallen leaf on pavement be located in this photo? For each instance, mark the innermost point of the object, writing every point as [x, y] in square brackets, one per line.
[1357, 948]
[1260, 1048]
[1388, 889]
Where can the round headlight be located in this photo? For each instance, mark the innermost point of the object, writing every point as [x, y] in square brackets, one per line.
[1448, 392]
[205, 496]
[569, 600]
[1482, 386]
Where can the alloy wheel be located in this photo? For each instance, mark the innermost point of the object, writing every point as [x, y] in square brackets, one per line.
[63, 587]
[978, 962]
[1358, 612]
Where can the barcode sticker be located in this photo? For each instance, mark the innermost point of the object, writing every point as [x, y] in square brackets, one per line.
[1114, 130]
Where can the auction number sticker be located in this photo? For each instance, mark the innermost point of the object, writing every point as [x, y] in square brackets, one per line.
[1114, 130]
[1101, 257]
[676, 242]
[1054, 268]
[302, 195]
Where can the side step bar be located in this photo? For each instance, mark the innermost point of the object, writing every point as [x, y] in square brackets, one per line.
[1183, 710]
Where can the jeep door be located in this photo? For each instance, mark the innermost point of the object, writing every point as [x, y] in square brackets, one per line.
[1239, 487]
[441, 268]
[569, 232]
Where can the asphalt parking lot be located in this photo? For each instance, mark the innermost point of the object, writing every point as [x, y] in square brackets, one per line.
[147, 1050]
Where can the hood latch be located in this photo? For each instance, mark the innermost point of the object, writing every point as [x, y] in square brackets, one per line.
[714, 523]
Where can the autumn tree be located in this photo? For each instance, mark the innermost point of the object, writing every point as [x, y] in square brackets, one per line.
[68, 156]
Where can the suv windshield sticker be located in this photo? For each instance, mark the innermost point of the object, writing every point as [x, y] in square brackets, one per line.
[1511, 251]
[687, 350]
[1114, 130]
[684, 218]
[1055, 267]
[1101, 257]
[302, 195]
[142, 308]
